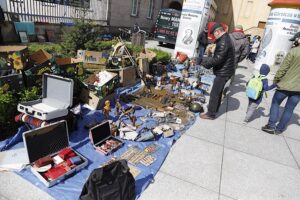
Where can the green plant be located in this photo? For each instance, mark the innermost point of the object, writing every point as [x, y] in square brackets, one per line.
[49, 47]
[134, 49]
[81, 36]
[30, 94]
[161, 56]
[100, 45]
[8, 110]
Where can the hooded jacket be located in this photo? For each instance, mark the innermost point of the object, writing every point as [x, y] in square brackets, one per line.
[223, 60]
[241, 45]
[264, 71]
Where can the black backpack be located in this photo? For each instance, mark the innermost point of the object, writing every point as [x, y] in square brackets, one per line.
[111, 182]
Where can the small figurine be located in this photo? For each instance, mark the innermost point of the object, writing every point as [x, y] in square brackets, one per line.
[118, 107]
[106, 109]
[133, 120]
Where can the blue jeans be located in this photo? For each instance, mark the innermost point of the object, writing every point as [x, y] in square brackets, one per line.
[200, 55]
[279, 96]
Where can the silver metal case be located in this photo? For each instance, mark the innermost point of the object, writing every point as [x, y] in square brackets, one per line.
[57, 98]
[48, 141]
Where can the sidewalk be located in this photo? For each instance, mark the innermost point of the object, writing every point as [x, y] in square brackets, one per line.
[221, 159]
[224, 159]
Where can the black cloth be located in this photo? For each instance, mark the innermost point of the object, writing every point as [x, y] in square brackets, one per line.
[216, 95]
[202, 39]
[223, 61]
[111, 182]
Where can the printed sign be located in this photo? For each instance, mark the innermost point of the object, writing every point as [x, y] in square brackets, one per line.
[192, 21]
[282, 24]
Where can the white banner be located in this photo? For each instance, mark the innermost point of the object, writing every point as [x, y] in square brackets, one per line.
[282, 24]
[194, 17]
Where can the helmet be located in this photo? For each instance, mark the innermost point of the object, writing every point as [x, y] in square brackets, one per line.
[196, 107]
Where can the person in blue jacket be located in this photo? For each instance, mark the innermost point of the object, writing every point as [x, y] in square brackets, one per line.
[253, 104]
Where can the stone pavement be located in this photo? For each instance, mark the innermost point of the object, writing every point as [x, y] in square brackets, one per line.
[221, 159]
[225, 159]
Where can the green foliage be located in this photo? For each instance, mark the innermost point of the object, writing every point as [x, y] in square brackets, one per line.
[30, 94]
[8, 109]
[161, 56]
[81, 36]
[100, 45]
[49, 47]
[136, 50]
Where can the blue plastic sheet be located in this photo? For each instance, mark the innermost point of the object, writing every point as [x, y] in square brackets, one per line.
[71, 187]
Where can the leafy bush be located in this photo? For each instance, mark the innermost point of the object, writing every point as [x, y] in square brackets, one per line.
[81, 36]
[49, 47]
[30, 94]
[8, 110]
[100, 45]
[161, 56]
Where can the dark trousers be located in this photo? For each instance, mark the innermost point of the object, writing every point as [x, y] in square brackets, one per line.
[293, 99]
[216, 95]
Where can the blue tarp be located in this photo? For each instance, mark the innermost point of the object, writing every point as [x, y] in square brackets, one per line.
[71, 187]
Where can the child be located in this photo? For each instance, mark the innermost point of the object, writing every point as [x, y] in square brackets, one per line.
[253, 104]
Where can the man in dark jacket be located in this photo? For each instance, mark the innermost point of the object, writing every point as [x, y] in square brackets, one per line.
[240, 43]
[223, 67]
[241, 49]
[203, 41]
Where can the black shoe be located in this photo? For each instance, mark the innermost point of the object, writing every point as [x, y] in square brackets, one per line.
[268, 129]
[277, 132]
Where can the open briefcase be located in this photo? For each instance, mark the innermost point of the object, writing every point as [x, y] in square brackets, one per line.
[51, 159]
[57, 98]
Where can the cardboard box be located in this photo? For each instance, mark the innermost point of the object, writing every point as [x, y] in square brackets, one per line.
[49, 141]
[127, 76]
[92, 57]
[13, 82]
[69, 67]
[144, 65]
[104, 83]
[93, 100]
[40, 62]
[13, 57]
[57, 99]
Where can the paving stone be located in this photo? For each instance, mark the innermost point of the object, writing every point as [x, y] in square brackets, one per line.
[168, 187]
[10, 183]
[202, 129]
[195, 161]
[258, 143]
[247, 177]
[295, 148]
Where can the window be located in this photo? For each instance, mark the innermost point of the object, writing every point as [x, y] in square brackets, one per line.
[134, 8]
[150, 11]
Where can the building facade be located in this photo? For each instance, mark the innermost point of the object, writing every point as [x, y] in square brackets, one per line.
[55, 11]
[251, 14]
[126, 13]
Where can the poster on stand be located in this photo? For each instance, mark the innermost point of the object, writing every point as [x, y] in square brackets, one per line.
[282, 24]
[194, 17]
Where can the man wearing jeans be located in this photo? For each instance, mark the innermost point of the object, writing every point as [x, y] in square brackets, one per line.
[287, 79]
[223, 67]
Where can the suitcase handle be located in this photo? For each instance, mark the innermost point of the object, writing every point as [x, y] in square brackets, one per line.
[28, 112]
